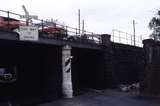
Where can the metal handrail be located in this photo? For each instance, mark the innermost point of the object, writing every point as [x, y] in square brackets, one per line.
[68, 29]
[126, 38]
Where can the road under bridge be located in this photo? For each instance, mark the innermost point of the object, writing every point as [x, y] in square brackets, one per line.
[39, 69]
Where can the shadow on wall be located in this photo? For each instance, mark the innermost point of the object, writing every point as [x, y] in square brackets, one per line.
[128, 63]
[86, 71]
[38, 73]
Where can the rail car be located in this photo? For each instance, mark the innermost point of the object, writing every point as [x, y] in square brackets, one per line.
[53, 31]
[9, 23]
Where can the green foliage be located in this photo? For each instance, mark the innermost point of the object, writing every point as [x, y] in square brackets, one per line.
[154, 25]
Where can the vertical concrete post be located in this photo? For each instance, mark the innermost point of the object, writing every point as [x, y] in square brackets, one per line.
[67, 90]
[108, 66]
[150, 85]
[106, 39]
[148, 47]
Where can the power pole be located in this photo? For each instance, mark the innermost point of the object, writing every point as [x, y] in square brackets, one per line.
[79, 21]
[134, 35]
[83, 27]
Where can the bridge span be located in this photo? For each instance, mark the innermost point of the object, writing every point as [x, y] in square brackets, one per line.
[60, 65]
[38, 66]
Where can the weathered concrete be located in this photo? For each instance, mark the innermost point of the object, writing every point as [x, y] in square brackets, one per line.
[81, 43]
[39, 67]
[150, 85]
[67, 90]
[107, 62]
[39, 73]
[122, 64]
[128, 62]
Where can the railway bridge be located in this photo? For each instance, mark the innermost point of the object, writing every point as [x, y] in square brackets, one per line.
[52, 67]
[41, 72]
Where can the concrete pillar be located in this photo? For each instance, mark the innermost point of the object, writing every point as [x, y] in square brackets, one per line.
[107, 64]
[67, 90]
[148, 45]
[150, 85]
[106, 39]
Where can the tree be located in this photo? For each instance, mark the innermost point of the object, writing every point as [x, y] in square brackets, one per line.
[154, 25]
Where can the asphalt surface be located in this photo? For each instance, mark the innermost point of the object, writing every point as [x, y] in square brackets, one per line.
[105, 98]
[100, 98]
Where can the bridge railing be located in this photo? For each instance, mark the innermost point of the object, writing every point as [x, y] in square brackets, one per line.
[126, 38]
[48, 28]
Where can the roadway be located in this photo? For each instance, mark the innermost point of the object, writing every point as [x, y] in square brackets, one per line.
[105, 98]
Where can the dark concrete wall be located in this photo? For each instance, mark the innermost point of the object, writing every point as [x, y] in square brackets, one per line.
[113, 65]
[86, 69]
[128, 63]
[38, 72]
[150, 85]
[123, 64]
[39, 69]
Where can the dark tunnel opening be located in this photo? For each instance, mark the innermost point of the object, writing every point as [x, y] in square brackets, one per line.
[38, 72]
[86, 71]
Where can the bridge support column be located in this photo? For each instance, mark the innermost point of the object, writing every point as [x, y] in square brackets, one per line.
[67, 90]
[107, 52]
[150, 85]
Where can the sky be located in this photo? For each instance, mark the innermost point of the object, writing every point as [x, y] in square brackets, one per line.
[100, 16]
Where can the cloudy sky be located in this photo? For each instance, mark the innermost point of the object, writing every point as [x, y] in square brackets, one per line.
[101, 16]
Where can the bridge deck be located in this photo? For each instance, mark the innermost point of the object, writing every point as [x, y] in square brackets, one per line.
[7, 35]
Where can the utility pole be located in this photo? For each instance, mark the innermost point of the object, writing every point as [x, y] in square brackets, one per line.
[83, 27]
[134, 35]
[79, 21]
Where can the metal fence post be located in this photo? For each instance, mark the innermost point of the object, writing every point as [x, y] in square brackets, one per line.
[92, 36]
[126, 38]
[66, 30]
[84, 32]
[55, 24]
[119, 37]
[76, 31]
[42, 25]
[141, 40]
[131, 39]
[113, 35]
[8, 20]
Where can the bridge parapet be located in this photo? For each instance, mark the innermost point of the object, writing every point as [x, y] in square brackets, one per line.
[106, 39]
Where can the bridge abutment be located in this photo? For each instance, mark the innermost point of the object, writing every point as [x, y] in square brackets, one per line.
[150, 85]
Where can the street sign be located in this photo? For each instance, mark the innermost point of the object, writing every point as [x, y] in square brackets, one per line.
[28, 33]
[29, 17]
